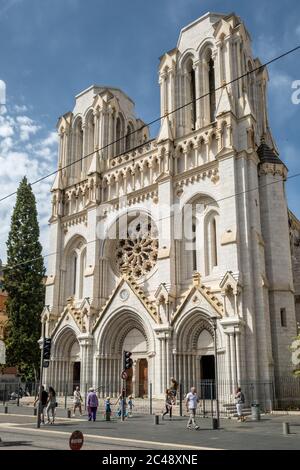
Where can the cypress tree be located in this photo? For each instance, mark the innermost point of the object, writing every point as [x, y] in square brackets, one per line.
[23, 281]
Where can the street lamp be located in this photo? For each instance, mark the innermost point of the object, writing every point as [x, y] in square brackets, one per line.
[214, 321]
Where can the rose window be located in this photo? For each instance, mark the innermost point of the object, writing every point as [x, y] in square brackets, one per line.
[138, 251]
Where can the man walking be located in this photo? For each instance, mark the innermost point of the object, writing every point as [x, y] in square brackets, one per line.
[191, 401]
[92, 404]
[42, 405]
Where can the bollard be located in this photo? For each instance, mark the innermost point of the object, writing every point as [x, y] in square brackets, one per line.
[215, 424]
[156, 419]
[5, 409]
[286, 428]
[69, 413]
[34, 411]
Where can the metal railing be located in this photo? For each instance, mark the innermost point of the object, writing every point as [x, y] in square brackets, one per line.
[281, 394]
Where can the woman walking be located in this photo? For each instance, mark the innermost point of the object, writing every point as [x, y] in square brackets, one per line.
[51, 405]
[168, 404]
[77, 401]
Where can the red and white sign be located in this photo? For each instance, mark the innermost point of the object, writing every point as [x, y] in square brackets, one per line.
[76, 440]
[124, 375]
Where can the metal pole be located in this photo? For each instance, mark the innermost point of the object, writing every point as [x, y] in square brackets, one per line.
[150, 393]
[123, 401]
[66, 394]
[211, 403]
[18, 397]
[216, 372]
[180, 399]
[38, 423]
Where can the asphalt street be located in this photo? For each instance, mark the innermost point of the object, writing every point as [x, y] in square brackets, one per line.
[18, 431]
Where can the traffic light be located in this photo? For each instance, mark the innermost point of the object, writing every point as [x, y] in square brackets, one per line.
[127, 360]
[47, 349]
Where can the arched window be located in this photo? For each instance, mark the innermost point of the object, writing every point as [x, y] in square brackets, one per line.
[74, 274]
[90, 133]
[191, 95]
[73, 270]
[82, 270]
[129, 138]
[222, 60]
[212, 93]
[211, 244]
[194, 245]
[250, 85]
[78, 148]
[118, 136]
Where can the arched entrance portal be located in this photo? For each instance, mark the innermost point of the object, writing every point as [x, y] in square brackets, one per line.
[195, 353]
[66, 364]
[137, 381]
[124, 331]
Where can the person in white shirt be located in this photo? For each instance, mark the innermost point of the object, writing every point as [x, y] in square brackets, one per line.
[191, 401]
[77, 401]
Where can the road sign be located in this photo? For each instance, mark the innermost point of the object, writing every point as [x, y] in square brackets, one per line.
[124, 375]
[76, 440]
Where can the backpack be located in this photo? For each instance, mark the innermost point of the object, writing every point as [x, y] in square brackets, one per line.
[242, 398]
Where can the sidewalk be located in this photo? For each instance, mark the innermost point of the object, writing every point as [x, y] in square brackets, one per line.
[264, 434]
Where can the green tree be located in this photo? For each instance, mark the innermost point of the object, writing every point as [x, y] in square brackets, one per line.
[23, 281]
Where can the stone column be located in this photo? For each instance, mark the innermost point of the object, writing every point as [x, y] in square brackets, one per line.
[86, 370]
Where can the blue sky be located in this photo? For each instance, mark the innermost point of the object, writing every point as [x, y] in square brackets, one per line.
[53, 49]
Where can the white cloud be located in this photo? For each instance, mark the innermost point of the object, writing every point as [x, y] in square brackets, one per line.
[25, 149]
[20, 108]
[51, 139]
[6, 129]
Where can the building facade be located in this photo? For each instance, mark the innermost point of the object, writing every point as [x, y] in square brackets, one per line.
[164, 244]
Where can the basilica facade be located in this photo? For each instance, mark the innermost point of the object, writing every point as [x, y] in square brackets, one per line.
[178, 247]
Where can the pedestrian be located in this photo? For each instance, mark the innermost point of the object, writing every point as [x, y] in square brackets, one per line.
[168, 404]
[122, 403]
[173, 389]
[92, 403]
[191, 401]
[51, 405]
[42, 405]
[240, 400]
[77, 401]
[107, 409]
[130, 405]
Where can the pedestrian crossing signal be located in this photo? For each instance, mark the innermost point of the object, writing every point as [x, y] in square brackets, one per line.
[47, 349]
[128, 362]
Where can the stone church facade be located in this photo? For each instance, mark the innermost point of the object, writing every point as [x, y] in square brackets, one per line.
[159, 244]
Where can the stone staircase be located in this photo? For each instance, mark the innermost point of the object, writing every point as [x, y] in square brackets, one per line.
[229, 409]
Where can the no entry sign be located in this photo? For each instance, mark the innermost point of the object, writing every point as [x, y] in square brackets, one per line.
[76, 440]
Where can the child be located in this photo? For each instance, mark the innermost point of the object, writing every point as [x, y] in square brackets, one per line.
[107, 409]
[130, 405]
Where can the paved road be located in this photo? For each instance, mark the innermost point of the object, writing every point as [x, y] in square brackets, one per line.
[18, 431]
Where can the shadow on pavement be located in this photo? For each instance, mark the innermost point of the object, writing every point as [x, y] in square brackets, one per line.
[15, 443]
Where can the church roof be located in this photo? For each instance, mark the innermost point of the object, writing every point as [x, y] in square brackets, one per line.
[266, 154]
